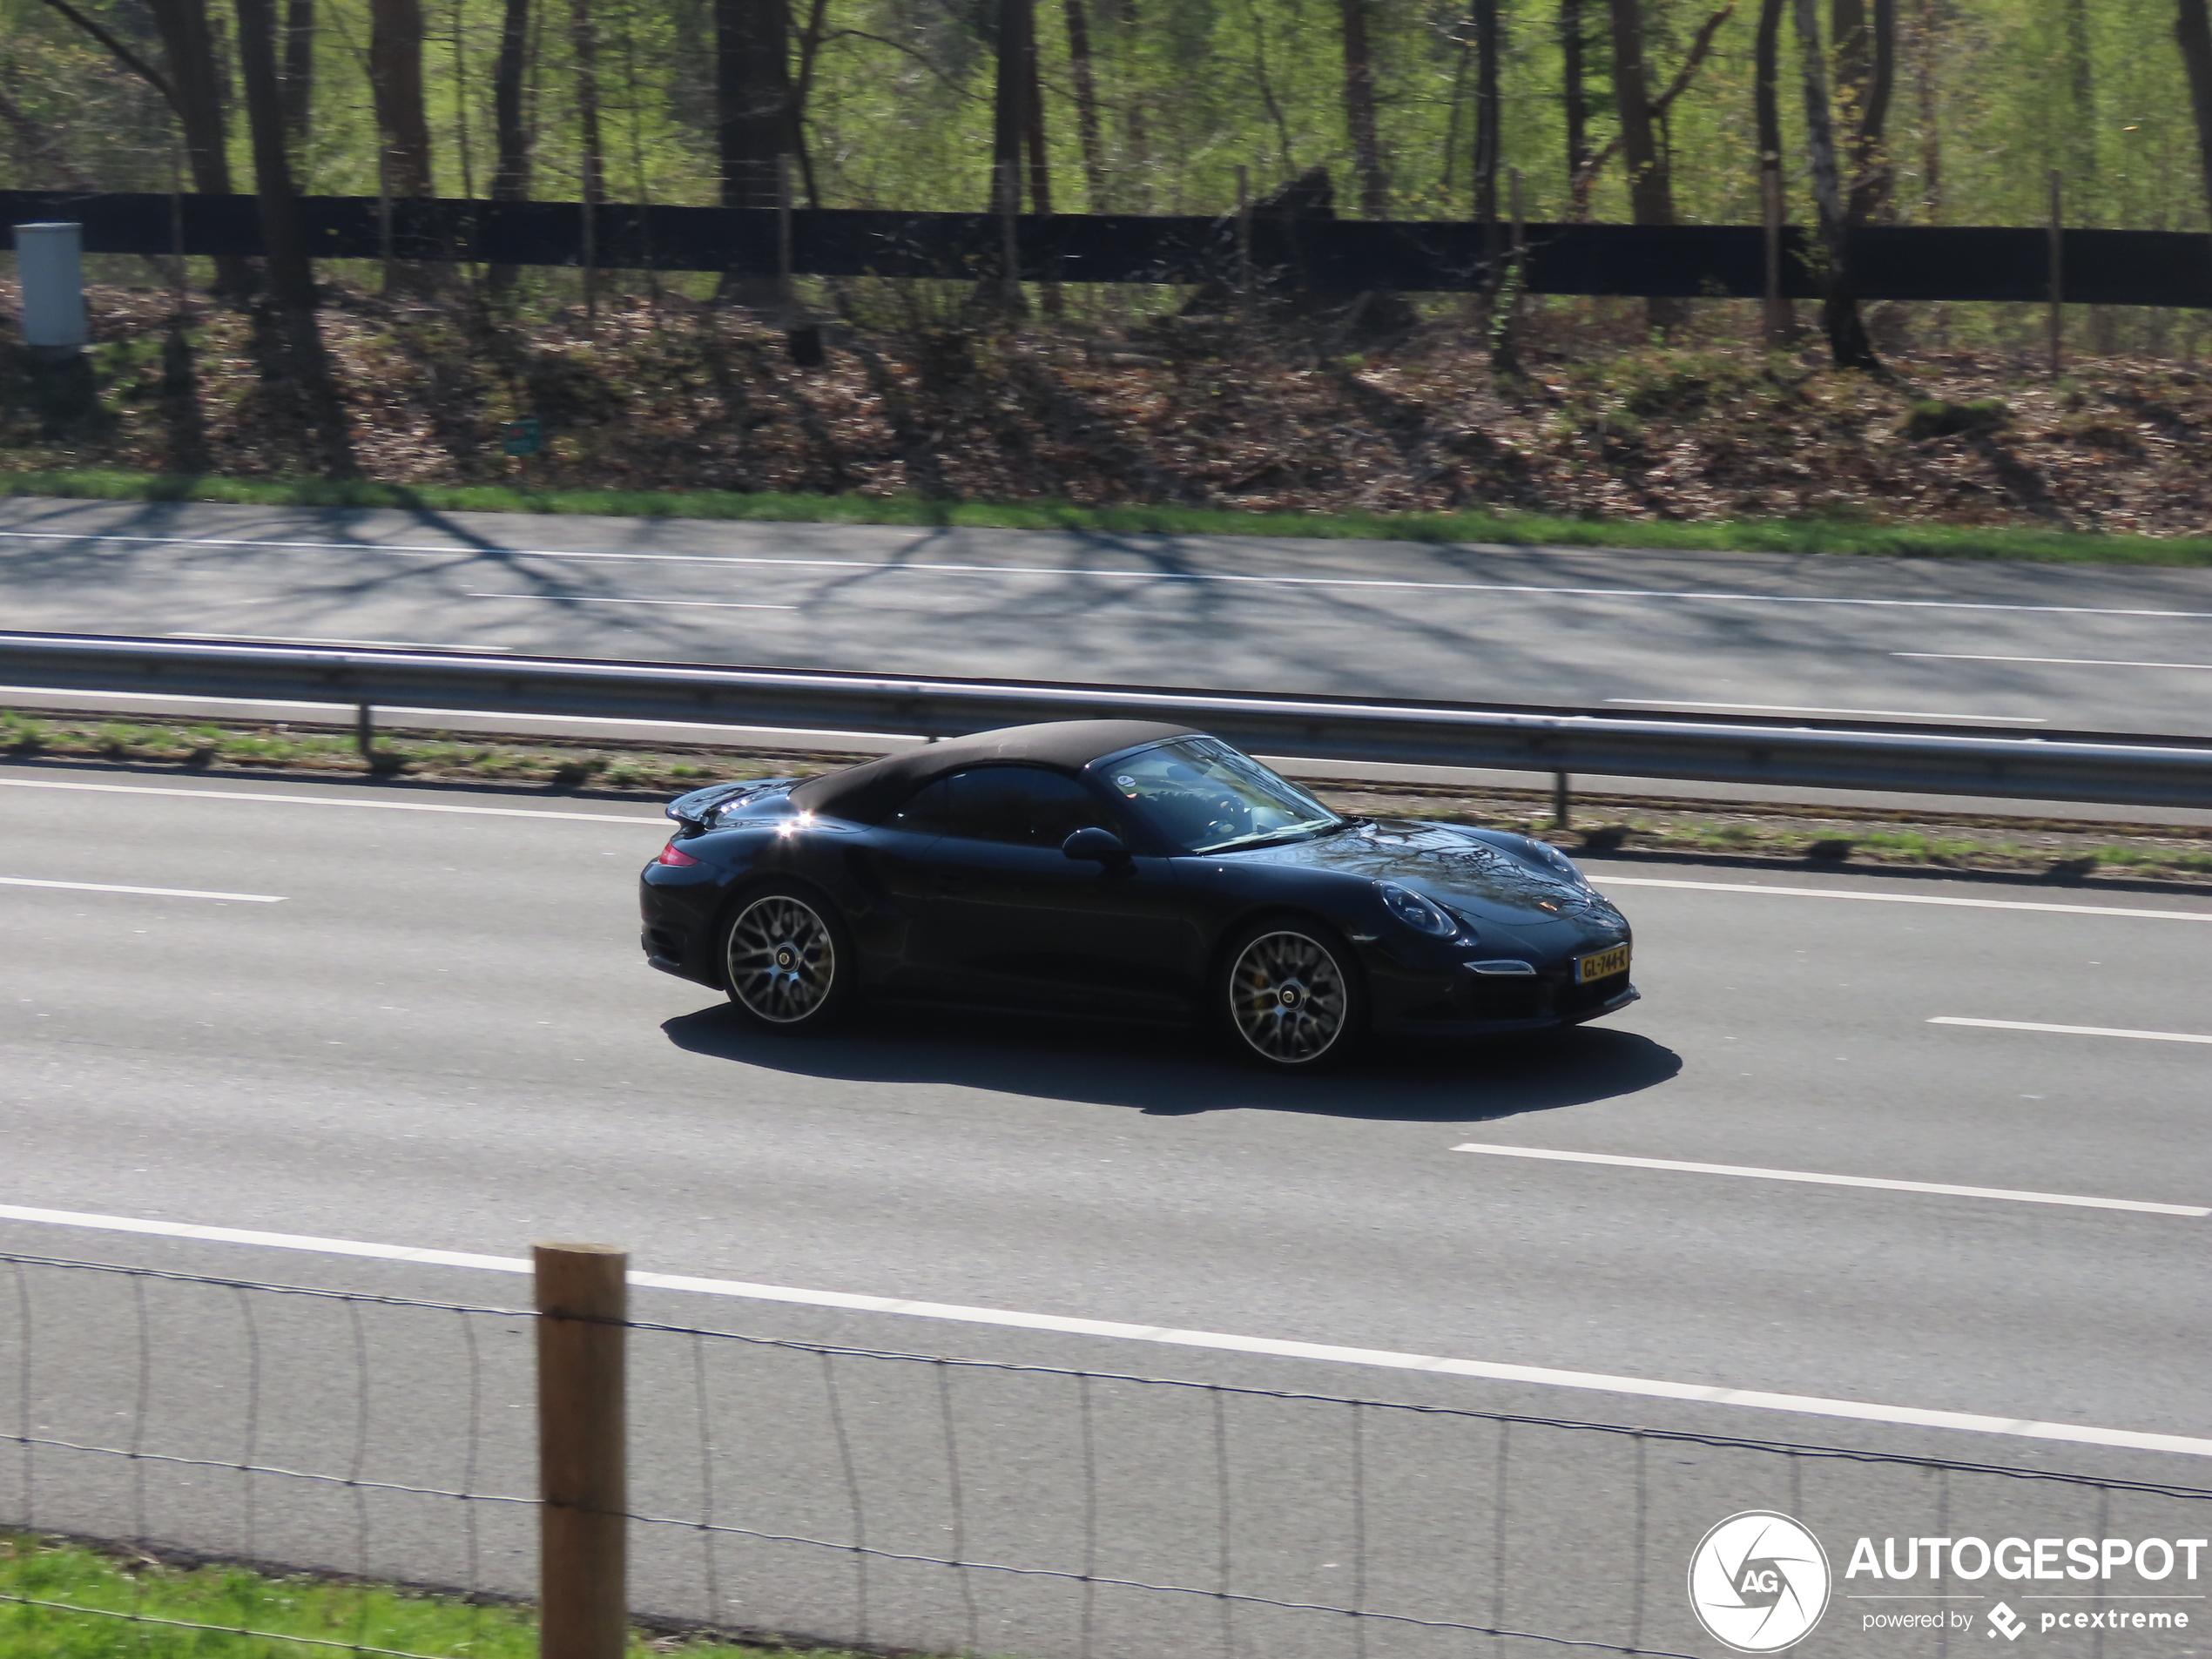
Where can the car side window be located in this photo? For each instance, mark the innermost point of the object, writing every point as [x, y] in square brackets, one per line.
[930, 812]
[1016, 805]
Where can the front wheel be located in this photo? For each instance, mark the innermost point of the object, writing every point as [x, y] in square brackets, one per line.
[1292, 994]
[786, 960]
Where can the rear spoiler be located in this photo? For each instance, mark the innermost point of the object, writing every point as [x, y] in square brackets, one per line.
[698, 810]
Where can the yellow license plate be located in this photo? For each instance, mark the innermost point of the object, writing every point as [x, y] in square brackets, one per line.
[1604, 964]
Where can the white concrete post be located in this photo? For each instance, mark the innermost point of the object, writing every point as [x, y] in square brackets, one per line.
[50, 261]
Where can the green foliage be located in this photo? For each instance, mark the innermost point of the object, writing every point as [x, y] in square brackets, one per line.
[1936, 419]
[145, 1608]
[899, 110]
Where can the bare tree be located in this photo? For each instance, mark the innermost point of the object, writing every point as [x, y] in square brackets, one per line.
[193, 89]
[1359, 110]
[2193, 33]
[291, 280]
[1847, 340]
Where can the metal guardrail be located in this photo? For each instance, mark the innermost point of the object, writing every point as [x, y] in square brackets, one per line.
[2100, 768]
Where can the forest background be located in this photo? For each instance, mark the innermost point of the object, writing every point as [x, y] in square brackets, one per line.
[1947, 111]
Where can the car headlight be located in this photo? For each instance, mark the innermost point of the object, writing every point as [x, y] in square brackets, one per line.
[1546, 853]
[1416, 913]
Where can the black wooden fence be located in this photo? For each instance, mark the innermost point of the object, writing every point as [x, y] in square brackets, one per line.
[1325, 256]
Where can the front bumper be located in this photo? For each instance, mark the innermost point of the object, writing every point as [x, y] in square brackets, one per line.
[1471, 1004]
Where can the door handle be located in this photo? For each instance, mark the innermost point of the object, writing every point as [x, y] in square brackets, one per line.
[951, 884]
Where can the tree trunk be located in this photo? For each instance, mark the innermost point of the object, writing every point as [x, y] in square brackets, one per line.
[1359, 110]
[396, 81]
[403, 124]
[1873, 61]
[1017, 21]
[1489, 142]
[583, 47]
[2193, 32]
[196, 80]
[1847, 341]
[752, 96]
[1033, 126]
[291, 279]
[299, 80]
[510, 178]
[1766, 82]
[1085, 103]
[1575, 92]
[2082, 88]
[1926, 33]
[1651, 195]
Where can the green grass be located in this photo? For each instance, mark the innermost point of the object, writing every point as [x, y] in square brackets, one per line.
[315, 1610]
[1822, 536]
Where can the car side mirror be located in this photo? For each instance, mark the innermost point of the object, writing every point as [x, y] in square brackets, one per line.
[1092, 842]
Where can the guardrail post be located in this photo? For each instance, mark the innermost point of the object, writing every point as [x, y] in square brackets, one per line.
[583, 1299]
[1559, 799]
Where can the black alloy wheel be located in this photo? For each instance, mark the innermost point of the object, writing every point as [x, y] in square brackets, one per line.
[1293, 995]
[786, 960]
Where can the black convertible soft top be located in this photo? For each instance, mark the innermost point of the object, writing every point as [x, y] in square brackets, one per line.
[868, 793]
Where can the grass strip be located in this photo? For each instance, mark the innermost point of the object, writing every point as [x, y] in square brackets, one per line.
[1839, 535]
[99, 1603]
[640, 771]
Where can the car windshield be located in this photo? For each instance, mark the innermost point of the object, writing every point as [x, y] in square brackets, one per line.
[1201, 793]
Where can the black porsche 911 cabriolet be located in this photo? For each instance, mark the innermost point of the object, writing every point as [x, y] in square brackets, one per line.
[1122, 868]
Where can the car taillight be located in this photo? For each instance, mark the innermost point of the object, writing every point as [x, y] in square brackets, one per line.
[674, 856]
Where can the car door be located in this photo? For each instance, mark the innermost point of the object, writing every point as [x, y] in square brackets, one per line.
[1013, 920]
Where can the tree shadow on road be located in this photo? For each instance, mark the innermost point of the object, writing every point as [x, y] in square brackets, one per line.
[1172, 1072]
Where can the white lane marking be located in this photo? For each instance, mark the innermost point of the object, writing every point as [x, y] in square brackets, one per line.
[1542, 1376]
[311, 639]
[2053, 662]
[149, 893]
[585, 599]
[916, 567]
[2070, 1031]
[1785, 708]
[1941, 1188]
[1908, 898]
[324, 800]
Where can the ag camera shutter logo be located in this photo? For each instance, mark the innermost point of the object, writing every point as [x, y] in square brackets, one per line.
[1759, 1581]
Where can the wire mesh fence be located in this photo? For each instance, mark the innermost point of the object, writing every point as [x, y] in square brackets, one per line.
[895, 1500]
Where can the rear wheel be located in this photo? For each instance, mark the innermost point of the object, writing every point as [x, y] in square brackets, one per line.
[1292, 994]
[786, 960]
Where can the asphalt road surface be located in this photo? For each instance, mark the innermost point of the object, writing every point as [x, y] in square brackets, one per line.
[2019, 646]
[418, 1019]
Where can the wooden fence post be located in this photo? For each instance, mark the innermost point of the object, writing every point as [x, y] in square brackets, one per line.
[583, 1298]
[2056, 324]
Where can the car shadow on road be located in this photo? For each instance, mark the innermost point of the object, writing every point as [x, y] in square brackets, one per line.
[1172, 1072]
